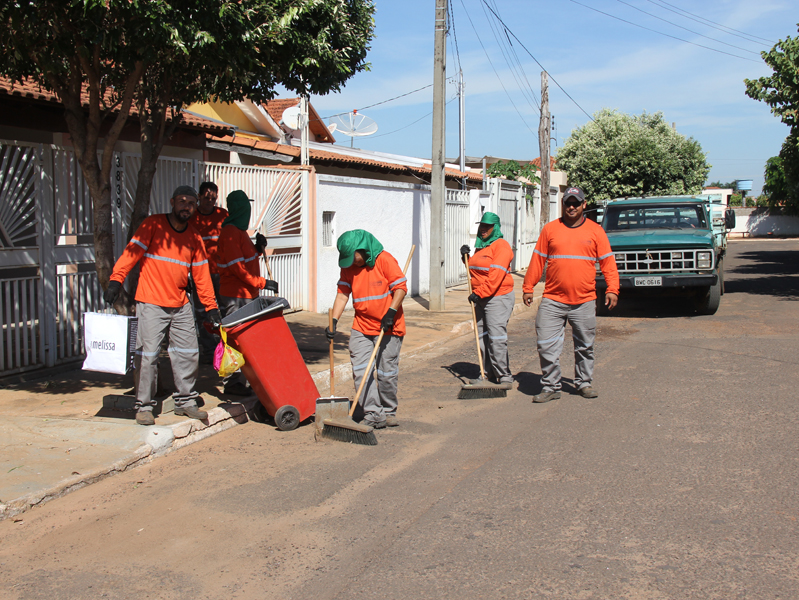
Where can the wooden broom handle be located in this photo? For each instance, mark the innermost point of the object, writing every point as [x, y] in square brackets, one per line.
[268, 268]
[332, 370]
[474, 320]
[376, 348]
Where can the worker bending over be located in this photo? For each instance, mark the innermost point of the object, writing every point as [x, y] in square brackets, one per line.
[493, 297]
[169, 249]
[239, 273]
[378, 286]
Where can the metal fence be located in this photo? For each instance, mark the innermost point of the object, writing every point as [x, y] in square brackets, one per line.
[22, 343]
[456, 234]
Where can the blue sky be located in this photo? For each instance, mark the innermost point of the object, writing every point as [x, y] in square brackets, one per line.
[599, 61]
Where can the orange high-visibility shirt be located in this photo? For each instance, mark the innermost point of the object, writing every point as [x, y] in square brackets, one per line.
[489, 269]
[570, 254]
[209, 227]
[167, 256]
[239, 272]
[372, 290]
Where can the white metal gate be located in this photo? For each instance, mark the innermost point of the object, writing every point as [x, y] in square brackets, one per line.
[456, 234]
[508, 211]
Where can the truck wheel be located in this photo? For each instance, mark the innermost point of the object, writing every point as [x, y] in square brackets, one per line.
[287, 418]
[601, 309]
[708, 300]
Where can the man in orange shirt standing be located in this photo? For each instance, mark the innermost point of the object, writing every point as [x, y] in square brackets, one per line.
[378, 286]
[240, 277]
[207, 220]
[570, 247]
[169, 249]
[493, 297]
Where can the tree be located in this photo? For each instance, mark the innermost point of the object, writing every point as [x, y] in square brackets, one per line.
[513, 170]
[163, 54]
[617, 155]
[780, 91]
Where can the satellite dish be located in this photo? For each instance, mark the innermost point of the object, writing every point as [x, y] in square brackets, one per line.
[291, 117]
[332, 127]
[353, 124]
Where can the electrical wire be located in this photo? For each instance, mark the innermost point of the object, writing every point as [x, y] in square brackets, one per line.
[507, 29]
[703, 21]
[468, 16]
[379, 103]
[660, 32]
[371, 137]
[688, 30]
[451, 18]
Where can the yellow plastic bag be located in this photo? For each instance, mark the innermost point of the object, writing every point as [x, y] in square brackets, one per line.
[232, 359]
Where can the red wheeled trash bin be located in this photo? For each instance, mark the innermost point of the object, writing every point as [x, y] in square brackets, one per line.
[273, 363]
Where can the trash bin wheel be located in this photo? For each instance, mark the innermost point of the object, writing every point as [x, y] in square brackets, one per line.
[287, 418]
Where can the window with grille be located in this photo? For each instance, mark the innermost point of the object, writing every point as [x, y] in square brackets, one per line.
[328, 233]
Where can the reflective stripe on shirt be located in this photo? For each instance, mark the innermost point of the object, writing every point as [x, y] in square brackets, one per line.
[167, 259]
[367, 298]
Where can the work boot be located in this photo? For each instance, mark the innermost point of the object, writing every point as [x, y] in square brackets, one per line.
[238, 389]
[374, 424]
[192, 412]
[145, 417]
[587, 392]
[391, 421]
[546, 397]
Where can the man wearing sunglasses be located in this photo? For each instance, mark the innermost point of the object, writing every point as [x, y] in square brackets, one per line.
[569, 247]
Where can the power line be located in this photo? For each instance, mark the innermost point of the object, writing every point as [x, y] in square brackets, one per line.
[451, 17]
[537, 62]
[660, 32]
[688, 30]
[713, 24]
[371, 137]
[379, 103]
[495, 70]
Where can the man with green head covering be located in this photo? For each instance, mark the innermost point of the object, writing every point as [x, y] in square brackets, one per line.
[240, 279]
[493, 297]
[377, 285]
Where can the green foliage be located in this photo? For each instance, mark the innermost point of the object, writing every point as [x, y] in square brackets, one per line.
[780, 90]
[514, 171]
[735, 200]
[618, 155]
[722, 185]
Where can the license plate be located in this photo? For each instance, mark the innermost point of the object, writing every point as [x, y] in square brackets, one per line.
[648, 281]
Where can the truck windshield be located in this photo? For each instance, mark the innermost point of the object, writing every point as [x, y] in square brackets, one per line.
[623, 218]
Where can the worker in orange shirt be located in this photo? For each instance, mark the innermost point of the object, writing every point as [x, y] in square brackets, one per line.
[207, 220]
[240, 279]
[570, 247]
[169, 249]
[493, 297]
[378, 286]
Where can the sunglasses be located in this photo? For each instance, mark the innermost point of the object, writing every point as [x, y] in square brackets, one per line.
[573, 203]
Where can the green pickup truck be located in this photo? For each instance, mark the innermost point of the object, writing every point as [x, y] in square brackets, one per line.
[668, 245]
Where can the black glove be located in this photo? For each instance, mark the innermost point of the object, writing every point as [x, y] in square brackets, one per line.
[271, 285]
[465, 250]
[473, 298]
[112, 292]
[331, 333]
[388, 319]
[213, 317]
[260, 243]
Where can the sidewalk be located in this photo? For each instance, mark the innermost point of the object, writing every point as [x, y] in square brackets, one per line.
[68, 430]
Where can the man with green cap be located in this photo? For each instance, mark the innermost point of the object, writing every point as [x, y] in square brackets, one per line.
[378, 286]
[493, 297]
[240, 278]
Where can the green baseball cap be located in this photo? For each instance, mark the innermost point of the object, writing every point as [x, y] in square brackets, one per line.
[489, 218]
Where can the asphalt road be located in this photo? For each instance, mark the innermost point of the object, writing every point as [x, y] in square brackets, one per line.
[679, 481]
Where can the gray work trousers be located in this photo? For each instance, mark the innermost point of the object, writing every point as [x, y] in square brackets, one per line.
[377, 401]
[228, 305]
[493, 315]
[154, 323]
[208, 341]
[550, 327]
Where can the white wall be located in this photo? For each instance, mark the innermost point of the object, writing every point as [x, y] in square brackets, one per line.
[755, 223]
[397, 214]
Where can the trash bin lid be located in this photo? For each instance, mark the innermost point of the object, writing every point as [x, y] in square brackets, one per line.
[260, 306]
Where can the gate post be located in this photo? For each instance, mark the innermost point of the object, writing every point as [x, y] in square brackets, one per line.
[48, 306]
[305, 252]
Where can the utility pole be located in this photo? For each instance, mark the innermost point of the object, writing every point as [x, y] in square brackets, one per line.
[304, 131]
[543, 147]
[462, 124]
[437, 182]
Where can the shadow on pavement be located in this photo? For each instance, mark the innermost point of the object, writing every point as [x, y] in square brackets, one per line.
[766, 272]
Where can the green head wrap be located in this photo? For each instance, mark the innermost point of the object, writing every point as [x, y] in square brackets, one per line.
[238, 207]
[489, 218]
[357, 239]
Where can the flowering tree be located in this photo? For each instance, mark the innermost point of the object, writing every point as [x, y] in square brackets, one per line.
[618, 155]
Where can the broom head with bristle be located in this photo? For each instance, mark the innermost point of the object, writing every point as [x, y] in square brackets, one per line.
[471, 391]
[347, 430]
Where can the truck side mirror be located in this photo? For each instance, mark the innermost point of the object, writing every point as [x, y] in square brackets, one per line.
[729, 218]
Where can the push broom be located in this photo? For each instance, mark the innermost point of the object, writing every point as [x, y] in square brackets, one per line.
[484, 389]
[345, 429]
